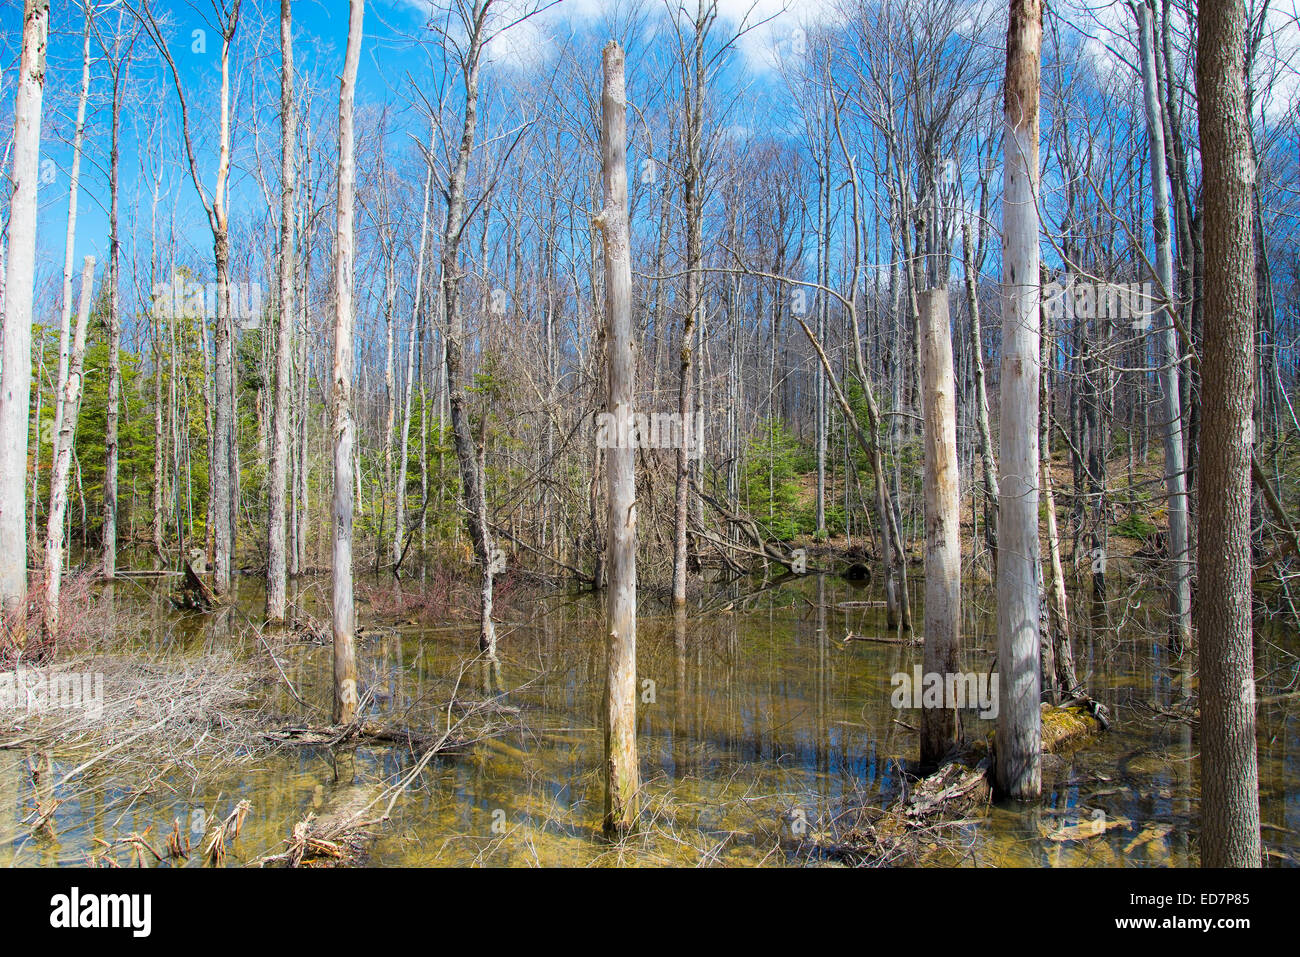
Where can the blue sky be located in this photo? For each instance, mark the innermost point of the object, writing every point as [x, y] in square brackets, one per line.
[389, 54]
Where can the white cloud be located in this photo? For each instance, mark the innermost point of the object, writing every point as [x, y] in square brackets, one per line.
[773, 28]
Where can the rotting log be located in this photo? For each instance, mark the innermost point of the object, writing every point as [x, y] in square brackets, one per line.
[195, 593]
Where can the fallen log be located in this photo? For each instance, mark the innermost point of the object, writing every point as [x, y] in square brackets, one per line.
[885, 639]
[195, 594]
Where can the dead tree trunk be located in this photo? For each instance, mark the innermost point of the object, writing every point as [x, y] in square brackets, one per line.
[942, 520]
[1019, 731]
[70, 403]
[345, 664]
[1180, 577]
[399, 514]
[621, 772]
[223, 461]
[276, 584]
[1061, 655]
[468, 455]
[111, 447]
[1229, 764]
[693, 87]
[981, 395]
[69, 257]
[16, 364]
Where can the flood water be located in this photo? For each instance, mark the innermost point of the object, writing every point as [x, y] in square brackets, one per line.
[759, 727]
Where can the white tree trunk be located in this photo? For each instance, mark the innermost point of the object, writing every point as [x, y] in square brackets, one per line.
[16, 368]
[1019, 732]
[399, 523]
[276, 584]
[942, 519]
[70, 240]
[622, 778]
[1180, 575]
[114, 333]
[345, 664]
[70, 403]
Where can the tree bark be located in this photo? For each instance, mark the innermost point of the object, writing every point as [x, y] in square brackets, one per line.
[399, 522]
[16, 371]
[70, 402]
[1229, 764]
[281, 427]
[942, 520]
[69, 258]
[621, 771]
[111, 450]
[345, 664]
[693, 87]
[981, 396]
[1180, 577]
[1019, 732]
[468, 456]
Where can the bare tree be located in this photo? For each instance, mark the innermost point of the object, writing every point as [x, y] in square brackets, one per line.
[223, 458]
[622, 779]
[1018, 730]
[345, 663]
[69, 258]
[469, 453]
[1180, 573]
[70, 403]
[693, 72]
[281, 422]
[16, 371]
[942, 519]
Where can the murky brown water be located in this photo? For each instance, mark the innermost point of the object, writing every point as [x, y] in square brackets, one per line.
[753, 721]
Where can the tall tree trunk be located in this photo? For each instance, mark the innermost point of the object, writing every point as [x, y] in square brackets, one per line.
[468, 456]
[276, 583]
[16, 370]
[981, 396]
[70, 402]
[1180, 577]
[345, 664]
[69, 257]
[942, 520]
[693, 202]
[1061, 654]
[223, 463]
[1229, 765]
[1019, 731]
[399, 522]
[621, 771]
[111, 450]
